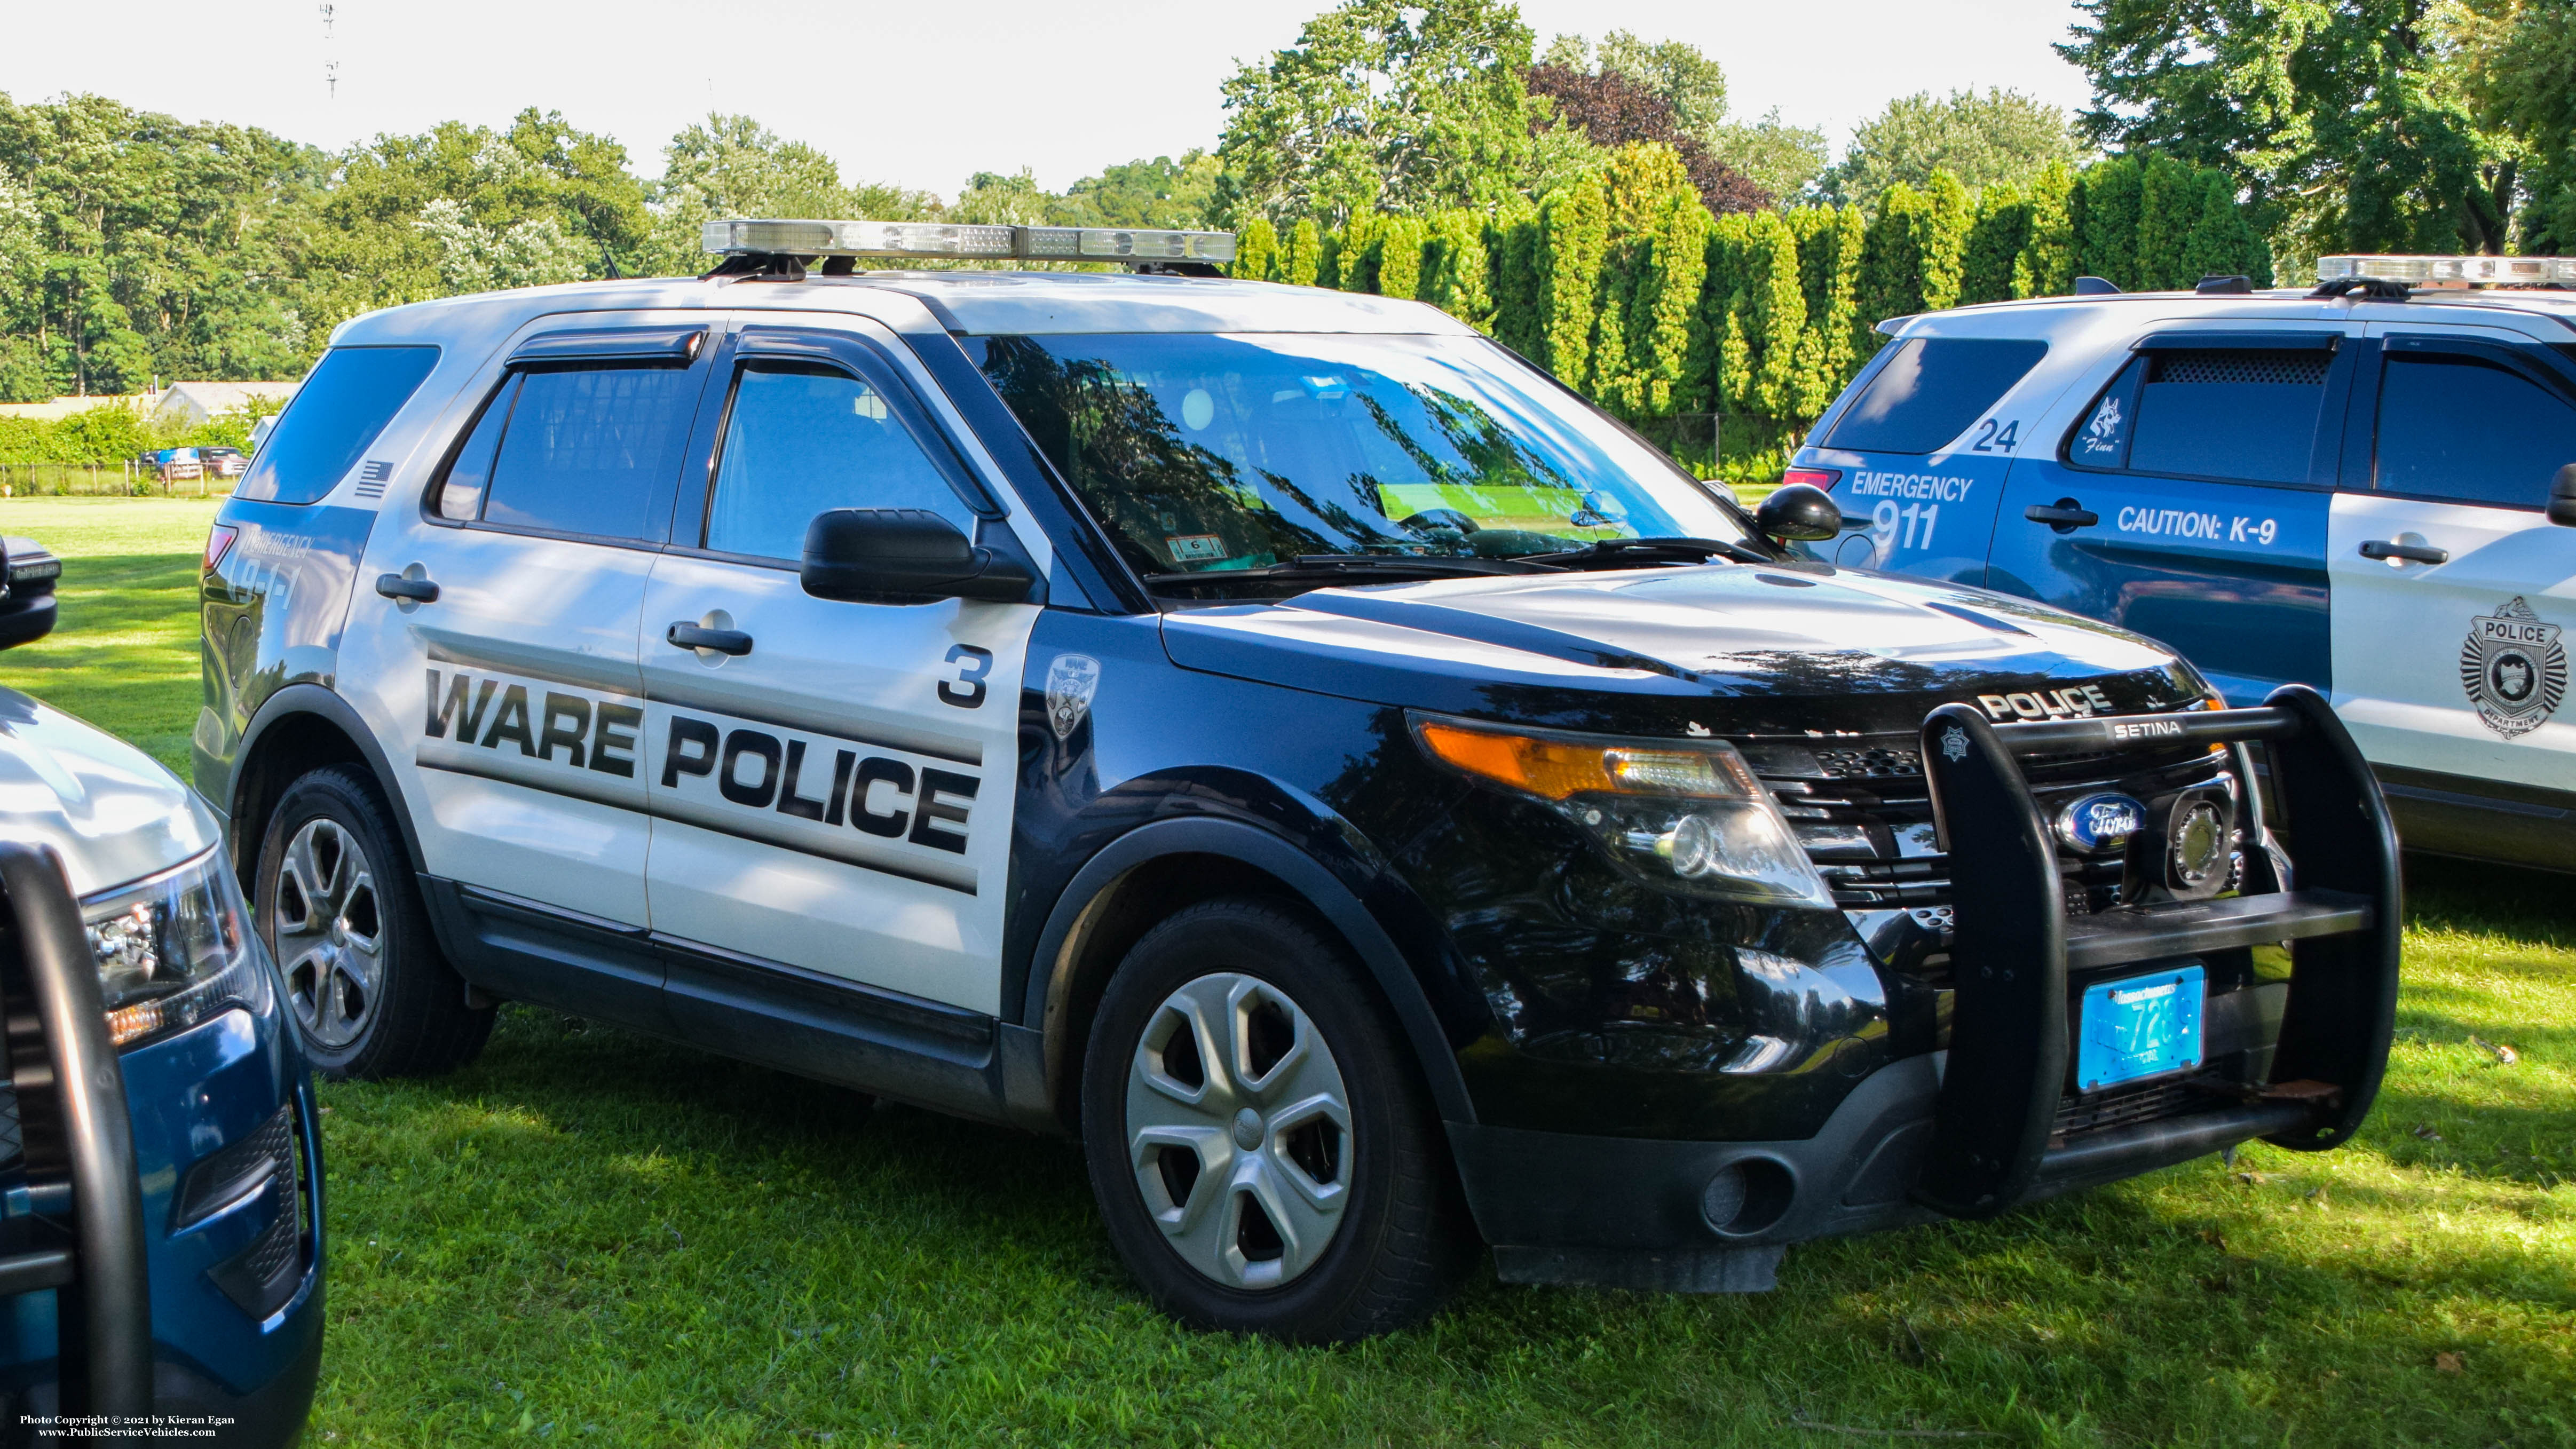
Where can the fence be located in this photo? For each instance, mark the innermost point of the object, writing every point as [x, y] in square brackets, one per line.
[101, 480]
[1740, 448]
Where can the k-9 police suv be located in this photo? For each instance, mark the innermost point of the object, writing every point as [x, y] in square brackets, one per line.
[160, 1185]
[1369, 797]
[2366, 488]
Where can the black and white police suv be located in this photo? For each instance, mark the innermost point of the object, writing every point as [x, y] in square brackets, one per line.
[2367, 488]
[1369, 796]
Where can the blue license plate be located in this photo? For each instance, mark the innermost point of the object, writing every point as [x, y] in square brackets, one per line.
[2140, 1027]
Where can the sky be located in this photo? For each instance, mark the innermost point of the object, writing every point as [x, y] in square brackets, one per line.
[922, 95]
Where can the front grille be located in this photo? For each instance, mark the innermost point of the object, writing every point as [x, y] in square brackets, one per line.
[2122, 1107]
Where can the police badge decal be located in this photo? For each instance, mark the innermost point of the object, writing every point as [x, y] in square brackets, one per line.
[1071, 682]
[2514, 669]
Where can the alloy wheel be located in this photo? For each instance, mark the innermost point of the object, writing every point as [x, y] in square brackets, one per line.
[327, 933]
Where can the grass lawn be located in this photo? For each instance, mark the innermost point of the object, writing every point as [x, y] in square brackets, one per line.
[591, 1237]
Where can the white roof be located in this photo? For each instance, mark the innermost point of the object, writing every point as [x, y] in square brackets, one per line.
[968, 301]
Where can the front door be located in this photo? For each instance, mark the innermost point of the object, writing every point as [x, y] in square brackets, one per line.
[831, 782]
[2188, 503]
[2454, 594]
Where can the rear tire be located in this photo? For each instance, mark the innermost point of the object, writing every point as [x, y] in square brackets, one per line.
[1263, 1150]
[341, 911]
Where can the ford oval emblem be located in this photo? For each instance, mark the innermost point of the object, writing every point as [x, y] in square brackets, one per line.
[2096, 823]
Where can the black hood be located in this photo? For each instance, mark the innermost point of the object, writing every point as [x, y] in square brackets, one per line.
[1731, 648]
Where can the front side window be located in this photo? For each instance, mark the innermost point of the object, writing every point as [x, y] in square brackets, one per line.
[1204, 452]
[582, 450]
[802, 439]
[2470, 431]
[2248, 414]
[346, 401]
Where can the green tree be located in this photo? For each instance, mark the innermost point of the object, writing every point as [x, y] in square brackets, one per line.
[2103, 218]
[1256, 252]
[2001, 136]
[2513, 61]
[1996, 240]
[1782, 159]
[734, 166]
[2045, 266]
[1383, 105]
[1160, 192]
[1573, 238]
[2346, 119]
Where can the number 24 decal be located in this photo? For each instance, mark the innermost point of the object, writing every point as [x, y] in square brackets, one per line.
[966, 691]
[1997, 437]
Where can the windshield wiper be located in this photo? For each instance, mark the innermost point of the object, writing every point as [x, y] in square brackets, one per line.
[1340, 565]
[1621, 553]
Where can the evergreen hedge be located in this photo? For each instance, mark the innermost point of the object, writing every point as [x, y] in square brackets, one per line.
[1626, 288]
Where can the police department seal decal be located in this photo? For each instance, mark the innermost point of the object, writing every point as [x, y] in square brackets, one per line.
[1071, 682]
[2514, 669]
[1954, 743]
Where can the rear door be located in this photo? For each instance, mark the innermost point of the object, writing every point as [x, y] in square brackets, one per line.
[2454, 594]
[836, 796]
[2188, 501]
[509, 704]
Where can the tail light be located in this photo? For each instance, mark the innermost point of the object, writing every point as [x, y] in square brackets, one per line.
[219, 539]
[1824, 478]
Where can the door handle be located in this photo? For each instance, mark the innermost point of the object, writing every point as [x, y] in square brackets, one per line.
[396, 586]
[2411, 552]
[2065, 515]
[685, 635]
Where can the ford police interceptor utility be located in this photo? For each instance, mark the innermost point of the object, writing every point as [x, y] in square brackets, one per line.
[160, 1184]
[2364, 488]
[1369, 797]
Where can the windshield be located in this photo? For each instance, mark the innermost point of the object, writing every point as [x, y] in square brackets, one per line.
[1211, 452]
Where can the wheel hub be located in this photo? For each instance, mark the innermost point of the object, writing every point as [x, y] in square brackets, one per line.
[326, 931]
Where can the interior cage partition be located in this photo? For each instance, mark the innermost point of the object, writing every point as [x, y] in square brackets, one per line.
[2014, 943]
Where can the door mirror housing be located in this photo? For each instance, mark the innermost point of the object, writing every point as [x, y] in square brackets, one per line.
[908, 556]
[2562, 497]
[28, 573]
[1801, 513]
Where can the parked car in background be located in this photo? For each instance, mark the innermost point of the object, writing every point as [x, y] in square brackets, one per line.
[2364, 488]
[161, 1238]
[178, 465]
[224, 462]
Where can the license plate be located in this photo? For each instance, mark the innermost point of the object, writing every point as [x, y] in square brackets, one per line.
[2141, 1027]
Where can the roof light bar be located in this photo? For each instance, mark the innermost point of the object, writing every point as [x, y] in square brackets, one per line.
[943, 239]
[2433, 271]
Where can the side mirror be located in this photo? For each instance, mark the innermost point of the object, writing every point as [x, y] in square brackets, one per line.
[907, 556]
[1800, 512]
[27, 597]
[2562, 497]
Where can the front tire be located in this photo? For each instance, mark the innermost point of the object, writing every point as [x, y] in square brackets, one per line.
[340, 909]
[1262, 1148]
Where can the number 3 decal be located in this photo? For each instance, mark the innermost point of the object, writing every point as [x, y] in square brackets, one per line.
[967, 690]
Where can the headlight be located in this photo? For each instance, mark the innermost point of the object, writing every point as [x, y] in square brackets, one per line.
[174, 950]
[1686, 813]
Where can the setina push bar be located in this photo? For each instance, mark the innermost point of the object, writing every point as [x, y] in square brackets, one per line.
[2332, 895]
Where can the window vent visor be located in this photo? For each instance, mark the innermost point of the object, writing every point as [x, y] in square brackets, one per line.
[633, 344]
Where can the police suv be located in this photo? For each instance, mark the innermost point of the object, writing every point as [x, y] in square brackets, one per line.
[2366, 488]
[1373, 800]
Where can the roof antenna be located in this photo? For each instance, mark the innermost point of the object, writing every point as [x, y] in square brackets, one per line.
[608, 259]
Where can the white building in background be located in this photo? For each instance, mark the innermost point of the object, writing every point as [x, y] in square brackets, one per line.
[185, 404]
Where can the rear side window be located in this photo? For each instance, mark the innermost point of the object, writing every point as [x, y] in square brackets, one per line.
[350, 396]
[588, 450]
[2221, 412]
[1930, 390]
[2469, 431]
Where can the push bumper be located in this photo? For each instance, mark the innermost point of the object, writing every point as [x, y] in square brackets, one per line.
[1976, 1130]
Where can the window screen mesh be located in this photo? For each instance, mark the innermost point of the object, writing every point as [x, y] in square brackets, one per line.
[2305, 368]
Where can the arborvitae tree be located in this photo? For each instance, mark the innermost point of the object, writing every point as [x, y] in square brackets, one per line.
[1399, 247]
[1891, 265]
[1995, 241]
[1829, 249]
[1657, 258]
[1943, 238]
[1256, 252]
[1455, 270]
[2104, 215]
[1519, 293]
[1302, 263]
[2220, 243]
[2169, 204]
[2046, 265]
[1573, 234]
[1773, 308]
